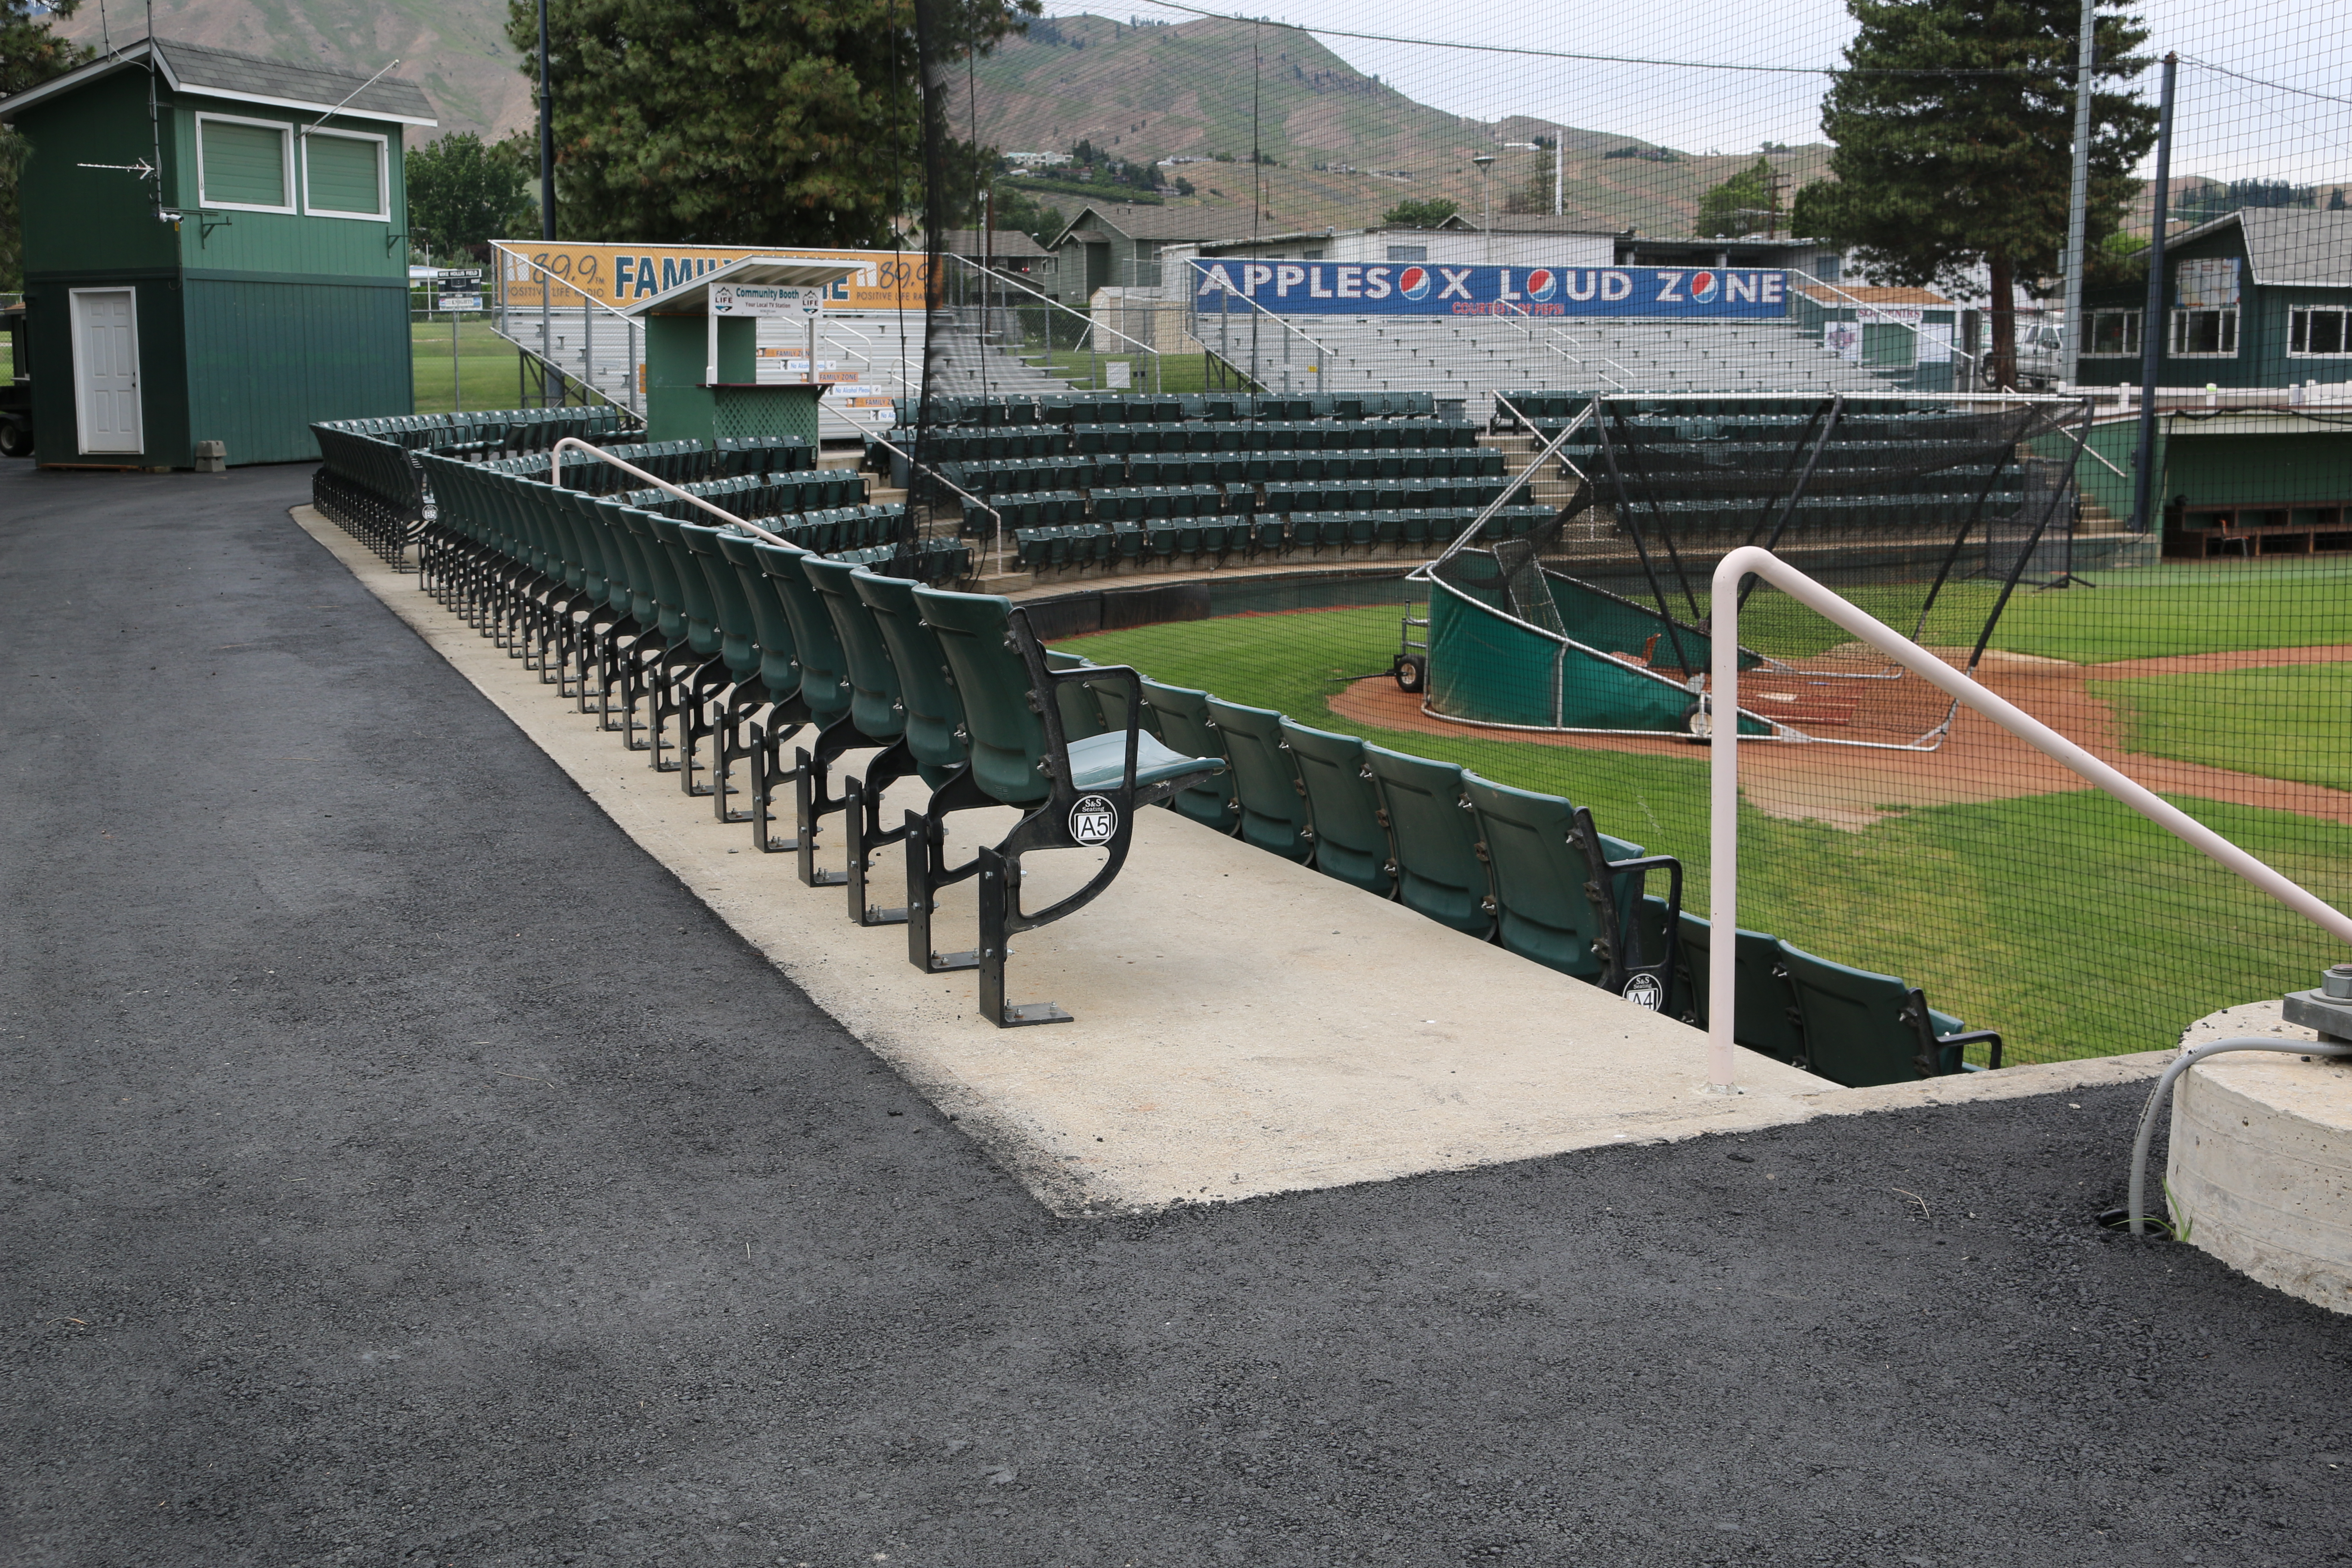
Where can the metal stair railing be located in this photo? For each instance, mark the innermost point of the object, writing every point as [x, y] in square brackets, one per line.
[511, 323]
[1722, 697]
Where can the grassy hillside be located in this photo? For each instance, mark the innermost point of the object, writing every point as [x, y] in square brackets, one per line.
[454, 49]
[1156, 91]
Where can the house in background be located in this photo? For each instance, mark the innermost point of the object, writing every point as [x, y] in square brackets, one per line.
[2258, 306]
[256, 282]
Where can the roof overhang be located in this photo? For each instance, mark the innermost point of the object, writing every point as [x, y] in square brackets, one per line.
[693, 297]
[136, 56]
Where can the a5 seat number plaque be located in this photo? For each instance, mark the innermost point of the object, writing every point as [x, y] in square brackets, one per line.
[1094, 820]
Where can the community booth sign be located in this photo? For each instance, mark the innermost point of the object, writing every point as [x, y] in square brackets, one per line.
[1347, 288]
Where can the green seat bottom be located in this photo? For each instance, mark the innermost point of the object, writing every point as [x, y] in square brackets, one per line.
[1100, 761]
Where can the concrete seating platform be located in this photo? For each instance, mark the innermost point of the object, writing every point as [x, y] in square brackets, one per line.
[1243, 1025]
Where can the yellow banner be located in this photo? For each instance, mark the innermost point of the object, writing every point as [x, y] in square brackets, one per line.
[621, 275]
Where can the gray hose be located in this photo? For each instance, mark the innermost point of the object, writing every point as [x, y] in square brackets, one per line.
[2187, 1060]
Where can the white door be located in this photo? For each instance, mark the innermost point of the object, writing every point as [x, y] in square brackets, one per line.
[106, 370]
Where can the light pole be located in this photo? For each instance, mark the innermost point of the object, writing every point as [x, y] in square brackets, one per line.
[1486, 161]
[1557, 208]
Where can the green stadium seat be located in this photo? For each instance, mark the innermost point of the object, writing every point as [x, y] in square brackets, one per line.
[1074, 794]
[1440, 867]
[1185, 725]
[1765, 1016]
[1344, 811]
[1270, 802]
[1861, 1028]
[878, 713]
[1568, 895]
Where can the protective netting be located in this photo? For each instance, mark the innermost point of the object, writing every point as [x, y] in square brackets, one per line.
[1271, 413]
[1912, 503]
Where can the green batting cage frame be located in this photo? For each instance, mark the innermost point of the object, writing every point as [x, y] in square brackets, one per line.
[1932, 510]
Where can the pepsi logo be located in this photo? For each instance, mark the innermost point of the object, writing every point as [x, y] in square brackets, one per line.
[1703, 287]
[1413, 283]
[1541, 282]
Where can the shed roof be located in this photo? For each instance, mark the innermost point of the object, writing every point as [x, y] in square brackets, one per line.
[693, 297]
[1160, 223]
[2290, 246]
[244, 79]
[1005, 244]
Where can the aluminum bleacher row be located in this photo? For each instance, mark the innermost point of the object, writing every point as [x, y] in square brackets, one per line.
[1530, 872]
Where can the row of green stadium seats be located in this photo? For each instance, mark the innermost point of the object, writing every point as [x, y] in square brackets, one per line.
[934, 446]
[1849, 1025]
[720, 655]
[755, 495]
[834, 529]
[1530, 872]
[1304, 497]
[1014, 475]
[1266, 533]
[1534, 874]
[1147, 409]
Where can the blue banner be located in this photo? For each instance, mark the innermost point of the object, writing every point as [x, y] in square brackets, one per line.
[1418, 289]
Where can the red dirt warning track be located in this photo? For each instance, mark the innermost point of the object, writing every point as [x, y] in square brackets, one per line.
[1849, 786]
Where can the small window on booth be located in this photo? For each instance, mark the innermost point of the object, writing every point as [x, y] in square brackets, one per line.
[1408, 253]
[2319, 332]
[2209, 334]
[2112, 334]
[343, 175]
[245, 165]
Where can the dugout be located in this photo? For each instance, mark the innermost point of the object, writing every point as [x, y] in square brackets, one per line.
[214, 250]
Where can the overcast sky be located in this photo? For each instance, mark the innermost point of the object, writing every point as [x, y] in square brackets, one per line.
[2225, 128]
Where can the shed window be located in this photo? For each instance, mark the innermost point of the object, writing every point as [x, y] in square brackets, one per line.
[1408, 253]
[343, 174]
[243, 164]
[2112, 334]
[2209, 333]
[2318, 331]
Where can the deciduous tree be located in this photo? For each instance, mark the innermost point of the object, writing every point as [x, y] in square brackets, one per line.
[463, 193]
[742, 121]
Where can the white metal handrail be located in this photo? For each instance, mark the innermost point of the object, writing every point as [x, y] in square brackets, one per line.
[1723, 803]
[995, 517]
[573, 443]
[1322, 350]
[588, 307]
[1003, 280]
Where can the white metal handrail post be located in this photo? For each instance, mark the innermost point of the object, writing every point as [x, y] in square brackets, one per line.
[1722, 793]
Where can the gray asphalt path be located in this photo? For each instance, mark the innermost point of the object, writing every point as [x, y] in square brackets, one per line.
[402, 1168]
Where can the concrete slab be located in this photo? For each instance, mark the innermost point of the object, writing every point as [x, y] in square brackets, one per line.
[1245, 1026]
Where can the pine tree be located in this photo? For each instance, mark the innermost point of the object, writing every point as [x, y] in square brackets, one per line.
[1954, 126]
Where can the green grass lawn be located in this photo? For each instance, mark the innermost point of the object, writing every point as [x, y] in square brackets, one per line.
[484, 371]
[2063, 921]
[2293, 721]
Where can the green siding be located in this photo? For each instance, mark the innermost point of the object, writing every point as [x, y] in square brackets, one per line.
[79, 220]
[244, 164]
[162, 373]
[344, 175]
[265, 359]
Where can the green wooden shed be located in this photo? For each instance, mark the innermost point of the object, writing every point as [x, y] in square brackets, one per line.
[254, 282]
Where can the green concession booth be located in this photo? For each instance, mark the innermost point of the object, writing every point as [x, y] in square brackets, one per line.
[702, 354]
[215, 249]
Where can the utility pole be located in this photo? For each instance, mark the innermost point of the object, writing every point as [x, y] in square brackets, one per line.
[2151, 324]
[547, 138]
[2078, 200]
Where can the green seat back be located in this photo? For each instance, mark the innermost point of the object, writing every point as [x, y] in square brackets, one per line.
[1082, 713]
[824, 675]
[1855, 1031]
[1185, 725]
[874, 705]
[661, 575]
[1006, 736]
[1439, 869]
[1541, 873]
[1764, 1015]
[772, 630]
[934, 713]
[1351, 839]
[1270, 800]
[738, 638]
[693, 588]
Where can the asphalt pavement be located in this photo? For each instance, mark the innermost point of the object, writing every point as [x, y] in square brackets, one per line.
[403, 1168]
